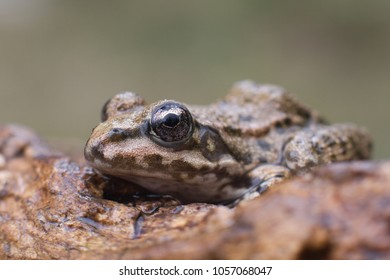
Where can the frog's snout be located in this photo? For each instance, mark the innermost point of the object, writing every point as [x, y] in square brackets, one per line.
[93, 150]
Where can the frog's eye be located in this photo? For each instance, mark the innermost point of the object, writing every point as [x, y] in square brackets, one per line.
[171, 122]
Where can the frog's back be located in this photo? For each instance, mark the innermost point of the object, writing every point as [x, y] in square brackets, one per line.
[254, 109]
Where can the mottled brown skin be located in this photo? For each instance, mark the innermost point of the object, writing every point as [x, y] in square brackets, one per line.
[236, 148]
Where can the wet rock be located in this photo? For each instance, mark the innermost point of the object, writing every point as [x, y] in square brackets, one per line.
[54, 208]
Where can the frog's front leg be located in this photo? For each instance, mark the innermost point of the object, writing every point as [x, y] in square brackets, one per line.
[326, 144]
[262, 177]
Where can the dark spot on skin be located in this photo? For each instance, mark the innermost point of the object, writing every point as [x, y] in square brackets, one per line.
[263, 132]
[246, 158]
[119, 134]
[282, 125]
[304, 113]
[246, 118]
[280, 130]
[116, 134]
[278, 124]
[220, 148]
[328, 140]
[232, 130]
[331, 143]
[318, 148]
[204, 168]
[125, 161]
[263, 160]
[182, 165]
[96, 152]
[242, 182]
[287, 122]
[154, 159]
[292, 156]
[264, 145]
[240, 154]
[121, 103]
[343, 145]
[124, 107]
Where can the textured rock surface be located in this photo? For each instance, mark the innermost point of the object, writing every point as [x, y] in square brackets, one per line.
[55, 208]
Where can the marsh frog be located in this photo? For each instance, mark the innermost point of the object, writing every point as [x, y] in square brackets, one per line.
[230, 150]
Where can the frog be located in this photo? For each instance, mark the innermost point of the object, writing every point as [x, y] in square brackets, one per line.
[234, 149]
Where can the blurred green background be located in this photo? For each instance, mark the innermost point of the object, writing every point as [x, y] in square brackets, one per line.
[61, 60]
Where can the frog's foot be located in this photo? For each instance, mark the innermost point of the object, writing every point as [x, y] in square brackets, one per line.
[263, 177]
[340, 142]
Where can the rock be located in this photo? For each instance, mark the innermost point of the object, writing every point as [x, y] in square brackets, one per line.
[54, 208]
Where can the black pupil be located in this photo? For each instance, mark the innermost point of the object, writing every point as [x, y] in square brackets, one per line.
[171, 120]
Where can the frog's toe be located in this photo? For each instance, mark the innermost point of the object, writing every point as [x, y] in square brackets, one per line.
[262, 178]
[266, 176]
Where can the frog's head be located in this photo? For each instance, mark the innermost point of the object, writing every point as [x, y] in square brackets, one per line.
[163, 148]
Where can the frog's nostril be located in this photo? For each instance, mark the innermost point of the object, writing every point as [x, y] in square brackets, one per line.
[117, 134]
[116, 131]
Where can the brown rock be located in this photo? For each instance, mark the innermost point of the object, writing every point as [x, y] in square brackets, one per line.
[54, 208]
